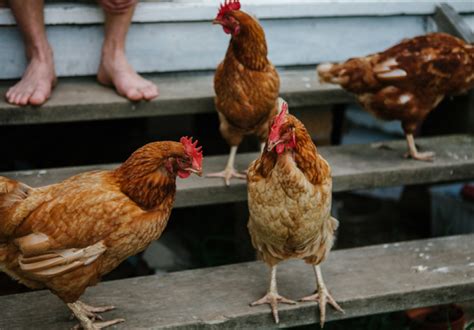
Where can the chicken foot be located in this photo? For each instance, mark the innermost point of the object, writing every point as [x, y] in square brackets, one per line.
[322, 296]
[272, 297]
[87, 315]
[413, 152]
[229, 172]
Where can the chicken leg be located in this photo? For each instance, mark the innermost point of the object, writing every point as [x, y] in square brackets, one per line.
[413, 152]
[272, 297]
[229, 171]
[322, 296]
[87, 315]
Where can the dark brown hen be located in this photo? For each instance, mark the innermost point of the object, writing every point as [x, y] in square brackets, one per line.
[408, 80]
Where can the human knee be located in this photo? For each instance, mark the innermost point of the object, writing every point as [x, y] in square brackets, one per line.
[117, 6]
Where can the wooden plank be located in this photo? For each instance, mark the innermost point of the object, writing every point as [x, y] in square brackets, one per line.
[365, 281]
[449, 21]
[172, 46]
[354, 167]
[199, 10]
[469, 19]
[80, 99]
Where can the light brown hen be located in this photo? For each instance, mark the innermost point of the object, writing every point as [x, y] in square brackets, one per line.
[289, 197]
[65, 236]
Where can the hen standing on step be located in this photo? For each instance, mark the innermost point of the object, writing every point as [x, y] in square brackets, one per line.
[289, 197]
[408, 80]
[246, 83]
[65, 236]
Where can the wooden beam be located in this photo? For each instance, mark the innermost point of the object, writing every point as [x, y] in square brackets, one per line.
[81, 99]
[449, 21]
[365, 281]
[354, 167]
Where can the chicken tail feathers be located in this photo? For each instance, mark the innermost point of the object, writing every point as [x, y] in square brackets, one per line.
[11, 193]
[331, 73]
[3, 254]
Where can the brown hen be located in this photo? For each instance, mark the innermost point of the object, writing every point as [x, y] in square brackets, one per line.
[289, 197]
[246, 83]
[408, 80]
[65, 236]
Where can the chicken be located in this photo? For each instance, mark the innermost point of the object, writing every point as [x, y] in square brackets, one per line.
[246, 83]
[289, 198]
[65, 236]
[408, 80]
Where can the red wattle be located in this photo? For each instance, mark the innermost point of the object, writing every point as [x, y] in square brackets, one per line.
[183, 174]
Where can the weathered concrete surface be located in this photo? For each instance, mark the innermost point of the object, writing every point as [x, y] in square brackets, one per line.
[79, 99]
[364, 281]
[354, 167]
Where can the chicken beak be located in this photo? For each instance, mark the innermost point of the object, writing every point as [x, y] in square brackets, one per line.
[193, 170]
[217, 21]
[272, 144]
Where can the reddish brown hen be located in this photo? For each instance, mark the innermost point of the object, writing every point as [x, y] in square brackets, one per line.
[65, 236]
[246, 83]
[289, 197]
[408, 80]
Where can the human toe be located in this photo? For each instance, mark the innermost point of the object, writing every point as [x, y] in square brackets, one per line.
[150, 92]
[133, 94]
[38, 97]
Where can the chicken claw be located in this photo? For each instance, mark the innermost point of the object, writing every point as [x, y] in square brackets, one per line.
[322, 297]
[424, 156]
[273, 298]
[381, 145]
[413, 152]
[87, 315]
[227, 174]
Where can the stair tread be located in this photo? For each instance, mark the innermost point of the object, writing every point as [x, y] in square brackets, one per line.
[353, 167]
[81, 99]
[365, 281]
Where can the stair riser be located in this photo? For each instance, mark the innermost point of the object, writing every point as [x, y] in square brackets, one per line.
[182, 46]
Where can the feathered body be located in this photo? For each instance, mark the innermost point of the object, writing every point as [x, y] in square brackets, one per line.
[290, 202]
[246, 84]
[65, 236]
[289, 198]
[408, 80]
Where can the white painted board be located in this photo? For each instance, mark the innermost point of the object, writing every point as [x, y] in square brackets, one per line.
[164, 47]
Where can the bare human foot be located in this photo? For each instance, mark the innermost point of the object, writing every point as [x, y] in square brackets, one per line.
[114, 70]
[37, 82]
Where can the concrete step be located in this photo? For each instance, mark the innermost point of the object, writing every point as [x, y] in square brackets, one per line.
[353, 167]
[80, 99]
[365, 281]
[166, 36]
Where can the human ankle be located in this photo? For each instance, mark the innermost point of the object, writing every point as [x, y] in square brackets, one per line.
[113, 50]
[40, 52]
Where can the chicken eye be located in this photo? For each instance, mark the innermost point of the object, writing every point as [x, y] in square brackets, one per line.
[184, 162]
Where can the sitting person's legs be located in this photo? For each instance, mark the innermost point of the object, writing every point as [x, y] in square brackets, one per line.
[39, 78]
[114, 68]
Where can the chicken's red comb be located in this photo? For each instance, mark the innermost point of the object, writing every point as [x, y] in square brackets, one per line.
[192, 149]
[228, 5]
[278, 121]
